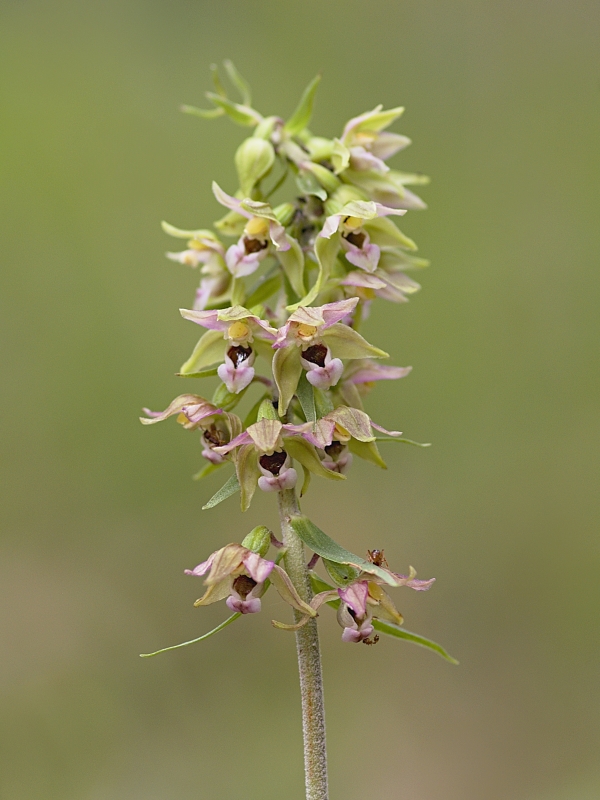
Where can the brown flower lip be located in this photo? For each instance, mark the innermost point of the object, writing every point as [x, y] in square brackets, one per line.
[239, 354]
[316, 354]
[274, 462]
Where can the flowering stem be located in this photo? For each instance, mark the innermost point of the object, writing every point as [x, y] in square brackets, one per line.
[309, 657]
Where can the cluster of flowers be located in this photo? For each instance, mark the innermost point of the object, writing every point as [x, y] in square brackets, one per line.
[292, 289]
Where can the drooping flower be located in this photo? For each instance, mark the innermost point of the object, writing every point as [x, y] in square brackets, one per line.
[341, 425]
[365, 145]
[217, 427]
[261, 231]
[263, 454]
[239, 574]
[352, 220]
[364, 599]
[239, 327]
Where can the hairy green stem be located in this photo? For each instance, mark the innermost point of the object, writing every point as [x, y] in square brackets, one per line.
[309, 657]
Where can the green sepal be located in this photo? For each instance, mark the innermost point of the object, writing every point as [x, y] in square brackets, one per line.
[326, 251]
[204, 113]
[207, 470]
[308, 184]
[204, 373]
[223, 398]
[263, 289]
[345, 342]
[323, 402]
[318, 541]
[179, 233]
[287, 369]
[319, 585]
[320, 149]
[240, 83]
[231, 486]
[232, 224]
[240, 114]
[210, 348]
[258, 540]
[384, 233]
[259, 209]
[325, 177]
[238, 292]
[377, 120]
[367, 451]
[392, 259]
[340, 156]
[248, 473]
[340, 574]
[406, 441]
[306, 482]
[306, 396]
[266, 410]
[284, 213]
[265, 127]
[292, 261]
[301, 116]
[253, 160]
[305, 453]
[220, 627]
[252, 415]
[216, 79]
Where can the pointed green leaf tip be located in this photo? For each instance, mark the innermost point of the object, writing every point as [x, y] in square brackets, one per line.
[301, 116]
[230, 487]
[220, 627]
[415, 638]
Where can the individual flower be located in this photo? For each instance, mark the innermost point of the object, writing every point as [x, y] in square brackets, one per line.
[337, 457]
[363, 373]
[217, 427]
[389, 188]
[273, 461]
[341, 425]
[364, 599]
[240, 575]
[354, 613]
[203, 247]
[261, 231]
[307, 325]
[365, 145]
[263, 454]
[351, 221]
[393, 286]
[316, 340]
[239, 327]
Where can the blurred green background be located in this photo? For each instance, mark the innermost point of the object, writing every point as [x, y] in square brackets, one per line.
[100, 516]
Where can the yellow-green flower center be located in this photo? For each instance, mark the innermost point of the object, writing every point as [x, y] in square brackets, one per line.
[257, 226]
[238, 331]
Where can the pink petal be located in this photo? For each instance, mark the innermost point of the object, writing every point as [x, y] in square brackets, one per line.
[355, 596]
[228, 201]
[258, 568]
[208, 319]
[379, 373]
[202, 568]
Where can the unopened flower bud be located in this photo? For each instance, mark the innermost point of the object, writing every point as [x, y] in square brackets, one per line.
[253, 159]
[258, 540]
